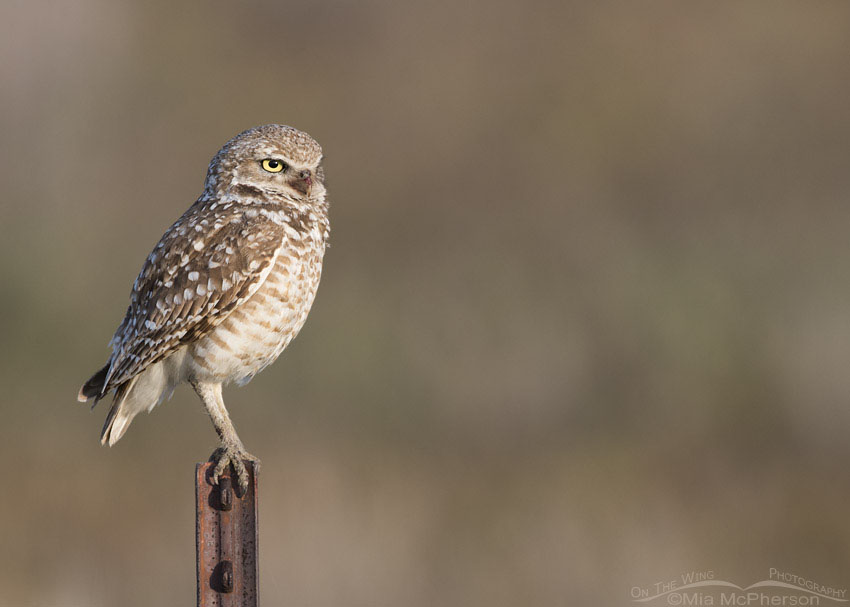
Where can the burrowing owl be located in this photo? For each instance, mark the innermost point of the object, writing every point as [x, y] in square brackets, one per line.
[227, 287]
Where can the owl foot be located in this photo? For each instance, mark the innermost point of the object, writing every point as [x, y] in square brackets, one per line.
[234, 456]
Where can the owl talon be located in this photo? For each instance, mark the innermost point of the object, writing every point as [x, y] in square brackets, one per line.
[226, 456]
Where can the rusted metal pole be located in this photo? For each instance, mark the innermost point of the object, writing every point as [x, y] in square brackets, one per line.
[226, 540]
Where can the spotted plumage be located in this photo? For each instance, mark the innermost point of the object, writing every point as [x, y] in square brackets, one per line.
[227, 287]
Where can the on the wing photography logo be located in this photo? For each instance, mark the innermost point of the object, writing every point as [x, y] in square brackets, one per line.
[699, 588]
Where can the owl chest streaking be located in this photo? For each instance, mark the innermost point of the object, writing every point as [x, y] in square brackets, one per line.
[228, 286]
[255, 334]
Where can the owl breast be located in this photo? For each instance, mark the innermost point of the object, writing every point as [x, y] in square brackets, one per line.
[255, 334]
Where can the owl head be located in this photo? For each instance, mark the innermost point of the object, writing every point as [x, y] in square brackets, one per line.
[268, 161]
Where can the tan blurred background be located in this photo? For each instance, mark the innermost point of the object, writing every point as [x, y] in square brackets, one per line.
[584, 323]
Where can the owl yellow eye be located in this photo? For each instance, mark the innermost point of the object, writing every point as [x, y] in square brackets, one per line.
[273, 166]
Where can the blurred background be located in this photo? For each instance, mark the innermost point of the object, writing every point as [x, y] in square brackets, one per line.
[583, 325]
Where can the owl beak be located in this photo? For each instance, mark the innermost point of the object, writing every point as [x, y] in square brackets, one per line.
[303, 182]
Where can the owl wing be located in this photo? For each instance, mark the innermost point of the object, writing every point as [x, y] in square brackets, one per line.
[204, 266]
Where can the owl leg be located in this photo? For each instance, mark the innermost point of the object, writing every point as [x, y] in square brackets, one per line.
[232, 451]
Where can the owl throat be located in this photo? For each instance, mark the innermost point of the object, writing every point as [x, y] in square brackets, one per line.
[307, 215]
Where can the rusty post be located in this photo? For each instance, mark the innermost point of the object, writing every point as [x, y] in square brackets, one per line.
[226, 540]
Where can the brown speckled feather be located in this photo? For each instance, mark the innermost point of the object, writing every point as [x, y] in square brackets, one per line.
[186, 287]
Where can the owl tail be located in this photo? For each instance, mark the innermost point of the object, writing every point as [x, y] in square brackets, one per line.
[93, 388]
[141, 393]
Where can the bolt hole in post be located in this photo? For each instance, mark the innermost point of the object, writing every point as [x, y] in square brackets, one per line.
[225, 494]
[226, 540]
